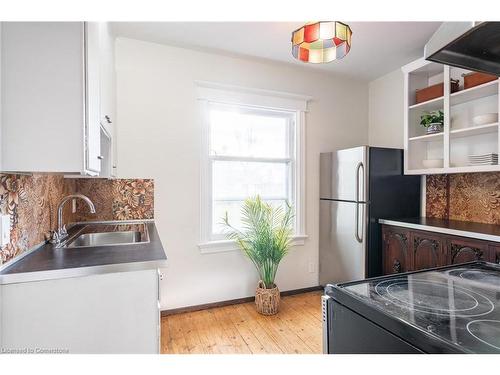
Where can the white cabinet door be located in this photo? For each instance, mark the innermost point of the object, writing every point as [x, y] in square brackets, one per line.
[93, 109]
[107, 81]
[109, 313]
[108, 100]
[42, 96]
[57, 87]
[1, 318]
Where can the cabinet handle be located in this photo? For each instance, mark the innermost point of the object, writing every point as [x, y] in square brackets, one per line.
[108, 119]
[100, 157]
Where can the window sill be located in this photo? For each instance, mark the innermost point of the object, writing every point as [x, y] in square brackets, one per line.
[227, 245]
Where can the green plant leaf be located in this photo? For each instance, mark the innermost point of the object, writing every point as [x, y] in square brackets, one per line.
[433, 117]
[265, 237]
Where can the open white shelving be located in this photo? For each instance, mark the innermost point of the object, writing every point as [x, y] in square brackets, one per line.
[477, 92]
[429, 105]
[460, 138]
[427, 137]
[474, 130]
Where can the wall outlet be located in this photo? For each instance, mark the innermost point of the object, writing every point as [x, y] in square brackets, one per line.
[312, 267]
[4, 230]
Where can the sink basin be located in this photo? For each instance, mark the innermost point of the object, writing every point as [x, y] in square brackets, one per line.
[105, 239]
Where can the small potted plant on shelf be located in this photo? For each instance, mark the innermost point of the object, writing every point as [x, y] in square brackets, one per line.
[265, 238]
[433, 121]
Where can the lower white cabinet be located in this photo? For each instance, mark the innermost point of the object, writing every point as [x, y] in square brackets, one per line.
[107, 313]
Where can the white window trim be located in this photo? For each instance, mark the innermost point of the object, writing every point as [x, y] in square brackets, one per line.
[227, 94]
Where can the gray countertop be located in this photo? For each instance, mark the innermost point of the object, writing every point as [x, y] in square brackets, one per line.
[480, 231]
[49, 262]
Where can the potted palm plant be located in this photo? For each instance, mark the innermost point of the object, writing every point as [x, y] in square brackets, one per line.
[265, 238]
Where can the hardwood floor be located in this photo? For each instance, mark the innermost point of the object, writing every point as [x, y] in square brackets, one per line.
[239, 329]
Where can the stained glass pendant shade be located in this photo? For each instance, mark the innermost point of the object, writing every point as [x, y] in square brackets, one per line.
[321, 42]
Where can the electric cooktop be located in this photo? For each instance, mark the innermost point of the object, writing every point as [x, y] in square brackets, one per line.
[458, 307]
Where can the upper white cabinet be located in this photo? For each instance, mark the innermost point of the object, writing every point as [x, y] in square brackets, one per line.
[448, 151]
[55, 87]
[92, 67]
[107, 71]
[107, 101]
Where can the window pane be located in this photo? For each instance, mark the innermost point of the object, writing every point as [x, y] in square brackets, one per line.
[248, 132]
[235, 180]
[233, 209]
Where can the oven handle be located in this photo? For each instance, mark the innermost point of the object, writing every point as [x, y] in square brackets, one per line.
[324, 310]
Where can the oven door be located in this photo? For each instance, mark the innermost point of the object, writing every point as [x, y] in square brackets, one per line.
[346, 332]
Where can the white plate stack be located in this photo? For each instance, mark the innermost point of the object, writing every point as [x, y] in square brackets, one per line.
[483, 159]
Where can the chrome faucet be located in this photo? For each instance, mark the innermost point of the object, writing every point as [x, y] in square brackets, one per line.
[61, 233]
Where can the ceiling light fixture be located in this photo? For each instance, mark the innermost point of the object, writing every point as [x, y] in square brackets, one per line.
[321, 42]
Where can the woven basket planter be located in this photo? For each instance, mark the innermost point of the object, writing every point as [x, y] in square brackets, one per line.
[267, 301]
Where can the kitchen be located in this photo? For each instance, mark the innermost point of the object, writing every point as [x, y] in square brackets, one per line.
[148, 169]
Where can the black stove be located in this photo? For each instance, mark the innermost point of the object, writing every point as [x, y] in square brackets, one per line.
[445, 310]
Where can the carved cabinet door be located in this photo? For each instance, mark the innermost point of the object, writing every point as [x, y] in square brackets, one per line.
[465, 250]
[395, 252]
[494, 253]
[428, 250]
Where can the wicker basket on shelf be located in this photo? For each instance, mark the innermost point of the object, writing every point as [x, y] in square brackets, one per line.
[267, 301]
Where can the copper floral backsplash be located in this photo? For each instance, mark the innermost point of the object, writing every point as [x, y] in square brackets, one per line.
[467, 197]
[31, 202]
[121, 199]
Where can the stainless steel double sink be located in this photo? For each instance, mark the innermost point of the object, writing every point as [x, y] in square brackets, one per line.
[105, 237]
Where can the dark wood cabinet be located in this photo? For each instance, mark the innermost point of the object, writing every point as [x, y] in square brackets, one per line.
[494, 253]
[466, 250]
[410, 250]
[395, 257]
[427, 250]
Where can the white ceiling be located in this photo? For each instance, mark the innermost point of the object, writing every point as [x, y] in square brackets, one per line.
[377, 47]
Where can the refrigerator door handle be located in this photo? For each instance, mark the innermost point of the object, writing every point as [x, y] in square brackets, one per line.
[358, 168]
[359, 237]
[356, 225]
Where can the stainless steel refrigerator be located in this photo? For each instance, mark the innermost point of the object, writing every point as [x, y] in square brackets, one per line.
[358, 186]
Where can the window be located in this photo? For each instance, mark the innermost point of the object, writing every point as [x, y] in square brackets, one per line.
[248, 150]
[251, 152]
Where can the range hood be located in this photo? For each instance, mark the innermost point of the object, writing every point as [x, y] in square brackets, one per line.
[468, 45]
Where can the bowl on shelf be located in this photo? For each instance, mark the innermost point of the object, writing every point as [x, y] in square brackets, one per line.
[432, 163]
[487, 118]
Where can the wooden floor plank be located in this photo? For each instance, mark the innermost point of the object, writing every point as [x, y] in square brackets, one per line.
[241, 329]
[311, 316]
[309, 333]
[263, 336]
[309, 304]
[193, 342]
[231, 338]
[288, 341]
[246, 332]
[176, 341]
[165, 337]
[205, 332]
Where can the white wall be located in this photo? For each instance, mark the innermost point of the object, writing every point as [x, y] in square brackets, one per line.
[385, 106]
[1, 23]
[159, 136]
